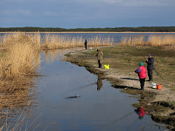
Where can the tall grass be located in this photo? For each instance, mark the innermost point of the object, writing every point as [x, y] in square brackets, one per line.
[133, 41]
[20, 57]
[168, 41]
[22, 38]
[61, 42]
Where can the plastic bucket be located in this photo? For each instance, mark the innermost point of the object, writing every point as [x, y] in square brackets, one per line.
[159, 87]
[154, 85]
[107, 66]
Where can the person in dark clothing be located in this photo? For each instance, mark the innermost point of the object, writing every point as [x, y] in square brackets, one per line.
[99, 56]
[150, 67]
[85, 44]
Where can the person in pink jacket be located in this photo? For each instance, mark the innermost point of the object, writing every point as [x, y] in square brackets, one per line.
[142, 73]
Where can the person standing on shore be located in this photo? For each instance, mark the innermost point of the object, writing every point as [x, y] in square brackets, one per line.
[85, 44]
[142, 74]
[150, 66]
[99, 56]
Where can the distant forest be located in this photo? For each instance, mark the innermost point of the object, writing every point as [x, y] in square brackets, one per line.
[117, 29]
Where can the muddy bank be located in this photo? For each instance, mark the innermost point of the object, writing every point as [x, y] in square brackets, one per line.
[159, 104]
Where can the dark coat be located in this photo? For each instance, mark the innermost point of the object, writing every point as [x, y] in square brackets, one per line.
[150, 63]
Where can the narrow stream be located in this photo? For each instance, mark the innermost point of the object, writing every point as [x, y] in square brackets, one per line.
[68, 98]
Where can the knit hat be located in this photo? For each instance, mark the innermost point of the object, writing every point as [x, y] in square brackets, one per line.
[141, 63]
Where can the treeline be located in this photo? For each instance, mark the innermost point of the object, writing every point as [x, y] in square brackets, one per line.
[117, 29]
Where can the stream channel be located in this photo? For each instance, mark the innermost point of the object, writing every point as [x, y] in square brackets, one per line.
[68, 98]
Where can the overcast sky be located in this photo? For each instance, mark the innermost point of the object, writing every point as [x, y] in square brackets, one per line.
[86, 13]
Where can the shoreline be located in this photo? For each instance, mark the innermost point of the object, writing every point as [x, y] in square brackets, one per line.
[154, 101]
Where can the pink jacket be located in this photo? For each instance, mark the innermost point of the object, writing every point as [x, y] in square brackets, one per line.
[142, 72]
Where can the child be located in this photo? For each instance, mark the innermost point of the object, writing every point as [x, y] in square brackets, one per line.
[142, 73]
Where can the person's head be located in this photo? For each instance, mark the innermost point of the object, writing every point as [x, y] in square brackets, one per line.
[141, 64]
[150, 56]
[98, 50]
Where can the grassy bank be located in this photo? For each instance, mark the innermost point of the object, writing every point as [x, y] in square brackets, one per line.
[123, 60]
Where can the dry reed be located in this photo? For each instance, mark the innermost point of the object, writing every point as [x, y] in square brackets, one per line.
[168, 40]
[154, 40]
[132, 41]
[22, 38]
[61, 42]
[21, 56]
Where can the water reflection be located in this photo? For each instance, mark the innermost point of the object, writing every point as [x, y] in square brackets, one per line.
[99, 83]
[15, 100]
[141, 112]
[53, 55]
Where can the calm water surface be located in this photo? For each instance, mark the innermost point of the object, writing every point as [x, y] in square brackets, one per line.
[97, 107]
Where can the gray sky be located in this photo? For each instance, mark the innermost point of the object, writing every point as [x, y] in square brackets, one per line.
[86, 13]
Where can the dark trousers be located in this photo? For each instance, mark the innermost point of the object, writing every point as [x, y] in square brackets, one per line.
[142, 83]
[85, 46]
[150, 74]
[99, 64]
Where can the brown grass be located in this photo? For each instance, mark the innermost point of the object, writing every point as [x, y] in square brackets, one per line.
[166, 41]
[20, 57]
[22, 38]
[60, 42]
[132, 41]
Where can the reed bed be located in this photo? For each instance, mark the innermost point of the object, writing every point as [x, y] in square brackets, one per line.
[22, 38]
[132, 41]
[168, 40]
[61, 42]
[154, 40]
[14, 94]
[20, 57]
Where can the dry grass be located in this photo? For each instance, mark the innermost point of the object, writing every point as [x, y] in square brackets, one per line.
[166, 40]
[60, 42]
[20, 57]
[22, 38]
[14, 94]
[132, 41]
